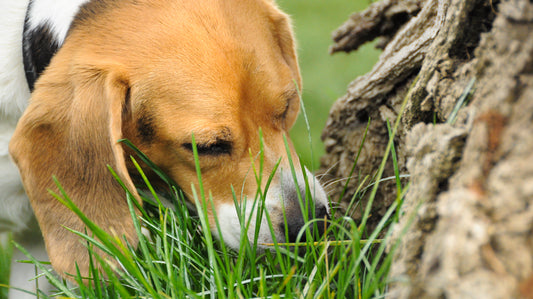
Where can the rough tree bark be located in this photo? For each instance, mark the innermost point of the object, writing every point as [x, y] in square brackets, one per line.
[469, 208]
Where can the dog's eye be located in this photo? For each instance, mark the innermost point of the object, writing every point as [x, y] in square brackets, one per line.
[212, 149]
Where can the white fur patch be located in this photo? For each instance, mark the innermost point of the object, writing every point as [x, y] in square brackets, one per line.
[14, 91]
[15, 209]
[317, 191]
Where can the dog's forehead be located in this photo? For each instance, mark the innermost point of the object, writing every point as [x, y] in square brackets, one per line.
[205, 105]
[222, 83]
[225, 47]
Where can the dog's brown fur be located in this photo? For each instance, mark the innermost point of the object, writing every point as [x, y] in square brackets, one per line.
[155, 72]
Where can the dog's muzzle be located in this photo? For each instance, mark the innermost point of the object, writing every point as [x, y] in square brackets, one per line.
[289, 205]
[303, 203]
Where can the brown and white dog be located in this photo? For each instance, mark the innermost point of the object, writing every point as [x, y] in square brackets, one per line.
[154, 72]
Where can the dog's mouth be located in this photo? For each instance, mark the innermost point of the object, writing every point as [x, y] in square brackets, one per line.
[289, 212]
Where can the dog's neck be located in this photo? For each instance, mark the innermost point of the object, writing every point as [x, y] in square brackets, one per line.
[45, 27]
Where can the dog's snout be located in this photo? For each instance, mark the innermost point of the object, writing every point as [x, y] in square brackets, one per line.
[294, 225]
[296, 221]
[306, 207]
[321, 212]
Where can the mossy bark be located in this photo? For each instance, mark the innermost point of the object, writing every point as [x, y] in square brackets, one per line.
[469, 208]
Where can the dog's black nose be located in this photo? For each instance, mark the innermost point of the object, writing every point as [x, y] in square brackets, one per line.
[296, 221]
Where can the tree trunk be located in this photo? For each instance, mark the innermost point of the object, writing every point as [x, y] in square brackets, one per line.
[469, 208]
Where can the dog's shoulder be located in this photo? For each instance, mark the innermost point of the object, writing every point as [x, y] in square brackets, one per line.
[14, 92]
[31, 32]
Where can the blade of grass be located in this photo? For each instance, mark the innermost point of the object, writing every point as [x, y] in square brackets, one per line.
[462, 101]
[47, 272]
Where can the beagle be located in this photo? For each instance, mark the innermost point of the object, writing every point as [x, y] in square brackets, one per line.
[154, 72]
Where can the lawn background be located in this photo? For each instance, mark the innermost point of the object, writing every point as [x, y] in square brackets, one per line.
[325, 77]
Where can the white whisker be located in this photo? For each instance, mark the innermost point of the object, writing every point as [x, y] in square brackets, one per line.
[320, 176]
[335, 181]
[402, 176]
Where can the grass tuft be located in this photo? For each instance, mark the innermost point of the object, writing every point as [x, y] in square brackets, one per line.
[181, 259]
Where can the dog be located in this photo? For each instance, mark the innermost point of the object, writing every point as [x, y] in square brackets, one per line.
[154, 72]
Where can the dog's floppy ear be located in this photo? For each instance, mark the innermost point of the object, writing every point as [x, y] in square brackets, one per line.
[70, 130]
[285, 37]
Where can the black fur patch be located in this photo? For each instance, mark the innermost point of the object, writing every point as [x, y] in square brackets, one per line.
[39, 46]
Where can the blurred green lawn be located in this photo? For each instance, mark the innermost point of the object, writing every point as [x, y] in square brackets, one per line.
[325, 77]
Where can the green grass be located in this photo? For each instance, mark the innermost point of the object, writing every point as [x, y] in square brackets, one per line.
[5, 262]
[325, 77]
[181, 258]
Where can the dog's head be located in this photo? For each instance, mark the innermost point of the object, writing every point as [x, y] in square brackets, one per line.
[157, 72]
